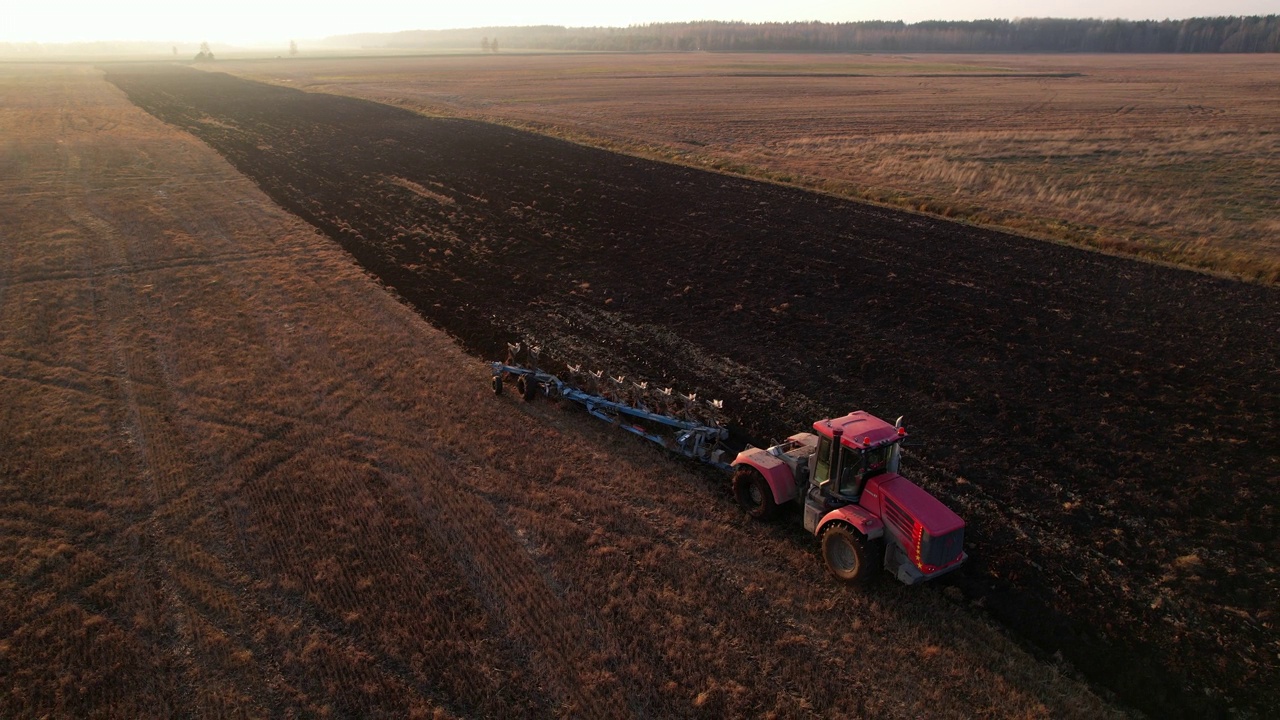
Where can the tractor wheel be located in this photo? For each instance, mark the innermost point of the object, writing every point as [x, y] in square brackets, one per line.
[754, 493]
[528, 387]
[497, 384]
[848, 553]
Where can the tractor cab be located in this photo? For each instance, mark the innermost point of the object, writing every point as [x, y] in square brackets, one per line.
[852, 450]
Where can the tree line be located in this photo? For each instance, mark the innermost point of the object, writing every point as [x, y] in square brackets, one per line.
[1253, 34]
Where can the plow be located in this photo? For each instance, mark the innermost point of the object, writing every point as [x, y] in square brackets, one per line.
[842, 472]
[680, 423]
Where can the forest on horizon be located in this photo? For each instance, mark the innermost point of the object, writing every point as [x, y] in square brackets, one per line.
[1235, 34]
[1256, 34]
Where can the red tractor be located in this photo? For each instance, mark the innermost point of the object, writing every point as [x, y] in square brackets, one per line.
[845, 476]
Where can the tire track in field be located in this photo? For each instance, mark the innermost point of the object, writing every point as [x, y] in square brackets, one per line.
[501, 571]
[271, 463]
[150, 436]
[134, 343]
[150, 599]
[201, 609]
[157, 266]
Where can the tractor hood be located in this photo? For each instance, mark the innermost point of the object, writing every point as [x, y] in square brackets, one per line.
[919, 506]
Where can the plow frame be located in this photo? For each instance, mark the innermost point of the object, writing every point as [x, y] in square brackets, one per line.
[694, 440]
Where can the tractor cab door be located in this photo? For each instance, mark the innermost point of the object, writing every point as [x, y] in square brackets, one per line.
[850, 474]
[843, 478]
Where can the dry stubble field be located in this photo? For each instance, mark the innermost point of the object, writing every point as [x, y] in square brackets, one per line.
[239, 479]
[1169, 157]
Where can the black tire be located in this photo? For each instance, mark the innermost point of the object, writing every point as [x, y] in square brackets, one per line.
[497, 384]
[847, 553]
[528, 387]
[753, 493]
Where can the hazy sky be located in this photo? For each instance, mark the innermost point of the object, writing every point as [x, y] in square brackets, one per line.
[274, 22]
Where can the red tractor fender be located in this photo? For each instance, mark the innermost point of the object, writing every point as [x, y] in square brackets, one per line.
[776, 472]
[855, 515]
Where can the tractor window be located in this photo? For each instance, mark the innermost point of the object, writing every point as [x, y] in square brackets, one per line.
[878, 460]
[823, 469]
[851, 472]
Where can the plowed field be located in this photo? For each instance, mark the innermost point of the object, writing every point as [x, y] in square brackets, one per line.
[1163, 156]
[1107, 427]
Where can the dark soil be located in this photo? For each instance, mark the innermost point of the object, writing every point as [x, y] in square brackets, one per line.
[1108, 428]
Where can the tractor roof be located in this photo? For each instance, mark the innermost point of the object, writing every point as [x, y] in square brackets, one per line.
[861, 430]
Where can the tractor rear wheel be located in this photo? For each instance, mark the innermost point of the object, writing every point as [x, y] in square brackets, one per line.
[528, 387]
[847, 553]
[753, 493]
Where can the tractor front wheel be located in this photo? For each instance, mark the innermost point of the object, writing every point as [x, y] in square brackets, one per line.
[497, 384]
[847, 553]
[754, 493]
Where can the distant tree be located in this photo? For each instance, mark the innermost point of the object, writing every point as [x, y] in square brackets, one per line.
[205, 54]
[494, 45]
[175, 51]
[293, 48]
[484, 44]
